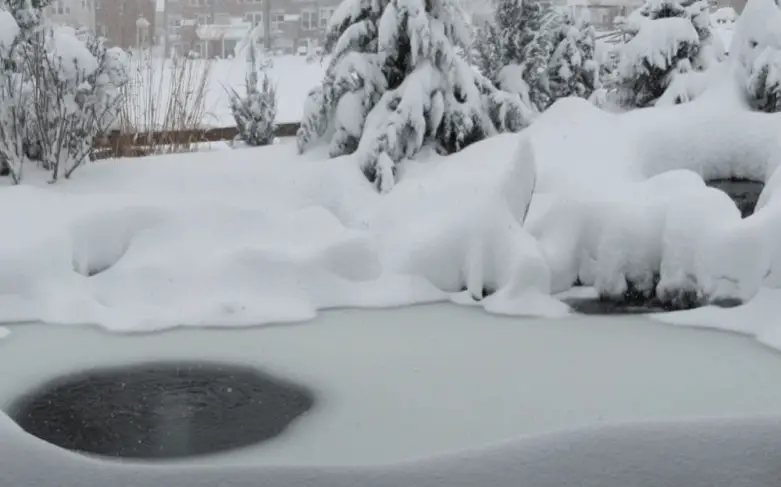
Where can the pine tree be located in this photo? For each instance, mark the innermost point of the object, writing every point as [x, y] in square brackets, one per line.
[572, 69]
[522, 33]
[764, 82]
[255, 112]
[669, 38]
[395, 80]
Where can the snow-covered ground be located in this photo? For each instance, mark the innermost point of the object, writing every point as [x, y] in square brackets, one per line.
[267, 237]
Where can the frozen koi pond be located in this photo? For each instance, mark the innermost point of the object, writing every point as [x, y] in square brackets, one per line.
[400, 384]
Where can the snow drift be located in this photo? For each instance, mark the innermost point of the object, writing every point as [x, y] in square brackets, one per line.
[583, 195]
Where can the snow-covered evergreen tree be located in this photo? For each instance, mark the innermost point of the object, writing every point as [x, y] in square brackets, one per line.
[764, 82]
[522, 33]
[255, 112]
[669, 38]
[573, 69]
[396, 80]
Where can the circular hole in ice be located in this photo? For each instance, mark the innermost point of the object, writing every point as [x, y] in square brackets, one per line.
[161, 410]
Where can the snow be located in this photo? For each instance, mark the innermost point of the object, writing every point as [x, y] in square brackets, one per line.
[4, 332]
[423, 382]
[656, 45]
[269, 236]
[8, 29]
[711, 453]
[69, 54]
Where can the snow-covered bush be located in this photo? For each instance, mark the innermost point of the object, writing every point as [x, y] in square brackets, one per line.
[573, 69]
[58, 91]
[74, 97]
[522, 33]
[669, 39]
[764, 82]
[255, 112]
[396, 80]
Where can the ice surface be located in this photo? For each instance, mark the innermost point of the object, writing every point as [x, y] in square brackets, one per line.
[711, 453]
[402, 384]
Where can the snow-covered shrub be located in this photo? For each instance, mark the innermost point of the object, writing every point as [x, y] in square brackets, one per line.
[573, 69]
[167, 96]
[255, 112]
[764, 82]
[396, 80]
[75, 97]
[110, 77]
[58, 91]
[669, 39]
[522, 33]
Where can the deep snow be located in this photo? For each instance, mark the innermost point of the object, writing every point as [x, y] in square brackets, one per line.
[269, 236]
[394, 385]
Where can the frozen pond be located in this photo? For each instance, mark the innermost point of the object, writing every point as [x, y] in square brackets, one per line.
[412, 382]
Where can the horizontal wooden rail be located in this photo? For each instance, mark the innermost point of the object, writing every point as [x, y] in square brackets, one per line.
[123, 144]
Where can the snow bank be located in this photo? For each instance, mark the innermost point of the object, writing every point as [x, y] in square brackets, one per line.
[271, 236]
[143, 246]
[617, 193]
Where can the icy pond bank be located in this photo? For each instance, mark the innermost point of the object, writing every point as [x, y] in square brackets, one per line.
[413, 382]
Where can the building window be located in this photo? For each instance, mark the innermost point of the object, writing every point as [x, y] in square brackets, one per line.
[203, 19]
[325, 16]
[277, 19]
[254, 18]
[308, 19]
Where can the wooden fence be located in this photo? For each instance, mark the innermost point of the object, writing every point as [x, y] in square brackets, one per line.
[118, 144]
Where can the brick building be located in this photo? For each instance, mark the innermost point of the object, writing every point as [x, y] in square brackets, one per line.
[213, 27]
[117, 21]
[76, 13]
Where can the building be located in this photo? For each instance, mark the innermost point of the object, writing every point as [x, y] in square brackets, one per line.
[213, 27]
[118, 21]
[76, 13]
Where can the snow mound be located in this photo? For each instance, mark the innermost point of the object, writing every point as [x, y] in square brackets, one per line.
[616, 193]
[459, 225]
[615, 201]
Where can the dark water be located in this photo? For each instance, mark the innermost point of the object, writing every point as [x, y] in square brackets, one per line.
[597, 306]
[161, 410]
[743, 192]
